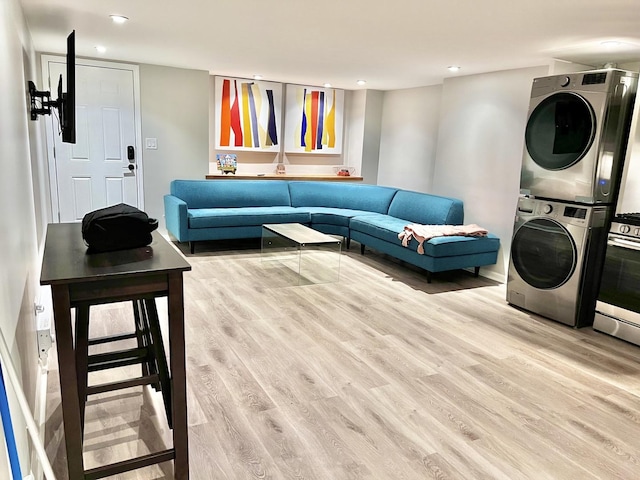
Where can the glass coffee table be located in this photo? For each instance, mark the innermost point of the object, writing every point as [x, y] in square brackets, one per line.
[312, 256]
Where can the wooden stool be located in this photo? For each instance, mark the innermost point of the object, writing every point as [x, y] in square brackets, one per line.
[149, 353]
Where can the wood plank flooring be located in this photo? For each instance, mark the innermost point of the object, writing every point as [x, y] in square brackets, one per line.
[378, 376]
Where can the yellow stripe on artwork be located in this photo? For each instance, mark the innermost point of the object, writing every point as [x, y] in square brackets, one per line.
[307, 136]
[246, 116]
[330, 125]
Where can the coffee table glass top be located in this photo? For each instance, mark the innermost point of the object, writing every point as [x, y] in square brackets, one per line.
[308, 256]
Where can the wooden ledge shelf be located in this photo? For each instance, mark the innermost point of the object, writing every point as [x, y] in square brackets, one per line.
[273, 176]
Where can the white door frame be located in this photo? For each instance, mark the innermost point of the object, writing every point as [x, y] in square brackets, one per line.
[51, 159]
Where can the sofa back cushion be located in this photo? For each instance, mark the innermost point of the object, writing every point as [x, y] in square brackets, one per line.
[231, 193]
[371, 198]
[426, 209]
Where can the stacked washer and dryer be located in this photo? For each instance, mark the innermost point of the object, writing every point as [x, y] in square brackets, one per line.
[575, 143]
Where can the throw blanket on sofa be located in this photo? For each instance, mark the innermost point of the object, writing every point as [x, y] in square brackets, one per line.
[424, 233]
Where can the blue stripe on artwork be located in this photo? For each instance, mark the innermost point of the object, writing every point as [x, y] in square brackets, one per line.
[303, 129]
[271, 127]
[320, 122]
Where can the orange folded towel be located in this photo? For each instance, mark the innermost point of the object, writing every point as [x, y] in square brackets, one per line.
[423, 233]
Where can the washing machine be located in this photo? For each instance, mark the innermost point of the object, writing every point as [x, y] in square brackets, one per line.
[576, 135]
[557, 252]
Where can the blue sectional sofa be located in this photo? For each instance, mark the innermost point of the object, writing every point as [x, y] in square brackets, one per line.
[197, 210]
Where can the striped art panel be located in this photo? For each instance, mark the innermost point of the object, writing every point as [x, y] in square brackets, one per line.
[313, 120]
[248, 114]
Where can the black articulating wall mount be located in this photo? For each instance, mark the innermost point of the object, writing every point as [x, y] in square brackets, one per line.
[41, 102]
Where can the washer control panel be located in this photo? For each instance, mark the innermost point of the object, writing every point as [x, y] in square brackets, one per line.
[563, 212]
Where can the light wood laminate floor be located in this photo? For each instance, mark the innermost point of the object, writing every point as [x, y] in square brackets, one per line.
[379, 376]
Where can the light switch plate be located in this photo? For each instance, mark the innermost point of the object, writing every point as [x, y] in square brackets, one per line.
[151, 143]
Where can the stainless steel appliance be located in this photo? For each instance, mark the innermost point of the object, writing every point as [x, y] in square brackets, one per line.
[618, 305]
[556, 258]
[576, 135]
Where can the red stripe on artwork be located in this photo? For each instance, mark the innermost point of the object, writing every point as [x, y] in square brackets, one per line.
[225, 114]
[235, 118]
[314, 118]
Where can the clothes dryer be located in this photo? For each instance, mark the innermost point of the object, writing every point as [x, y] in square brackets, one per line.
[556, 259]
[576, 135]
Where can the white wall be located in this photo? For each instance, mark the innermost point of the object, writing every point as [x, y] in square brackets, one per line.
[371, 136]
[409, 137]
[480, 146]
[355, 110]
[20, 235]
[174, 106]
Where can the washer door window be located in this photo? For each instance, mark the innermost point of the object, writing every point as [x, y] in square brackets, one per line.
[560, 131]
[543, 253]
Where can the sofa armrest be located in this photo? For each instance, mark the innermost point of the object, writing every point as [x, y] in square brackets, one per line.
[175, 216]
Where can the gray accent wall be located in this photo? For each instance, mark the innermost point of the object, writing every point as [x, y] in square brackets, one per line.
[174, 106]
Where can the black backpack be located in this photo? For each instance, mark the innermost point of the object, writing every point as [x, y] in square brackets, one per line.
[118, 227]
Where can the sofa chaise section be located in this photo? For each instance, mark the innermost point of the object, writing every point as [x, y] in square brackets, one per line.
[440, 253]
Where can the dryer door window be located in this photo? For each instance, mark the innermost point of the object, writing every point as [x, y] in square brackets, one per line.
[560, 131]
[543, 253]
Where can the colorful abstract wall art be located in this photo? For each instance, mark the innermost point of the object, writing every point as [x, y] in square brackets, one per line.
[248, 114]
[313, 120]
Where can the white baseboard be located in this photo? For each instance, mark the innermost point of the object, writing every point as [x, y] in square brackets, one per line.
[40, 418]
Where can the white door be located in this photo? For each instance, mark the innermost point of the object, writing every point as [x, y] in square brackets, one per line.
[103, 167]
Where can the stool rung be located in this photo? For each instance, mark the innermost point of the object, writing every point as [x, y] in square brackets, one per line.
[131, 464]
[111, 338]
[120, 358]
[134, 382]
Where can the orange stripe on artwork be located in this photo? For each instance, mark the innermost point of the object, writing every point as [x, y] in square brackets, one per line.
[330, 125]
[246, 116]
[225, 114]
[314, 118]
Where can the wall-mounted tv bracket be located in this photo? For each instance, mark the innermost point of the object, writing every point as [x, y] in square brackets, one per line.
[45, 104]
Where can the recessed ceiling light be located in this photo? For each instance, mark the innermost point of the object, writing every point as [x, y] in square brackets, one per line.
[101, 48]
[119, 19]
[257, 77]
[611, 43]
[361, 82]
[453, 68]
[327, 85]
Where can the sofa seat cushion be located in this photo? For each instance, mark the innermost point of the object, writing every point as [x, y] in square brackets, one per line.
[387, 228]
[460, 245]
[333, 216]
[246, 216]
[380, 226]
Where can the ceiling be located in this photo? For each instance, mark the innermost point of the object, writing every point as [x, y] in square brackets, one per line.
[391, 44]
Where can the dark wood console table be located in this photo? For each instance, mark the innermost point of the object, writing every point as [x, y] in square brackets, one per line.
[77, 278]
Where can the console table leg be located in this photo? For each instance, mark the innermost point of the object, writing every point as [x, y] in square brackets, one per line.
[68, 380]
[177, 361]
